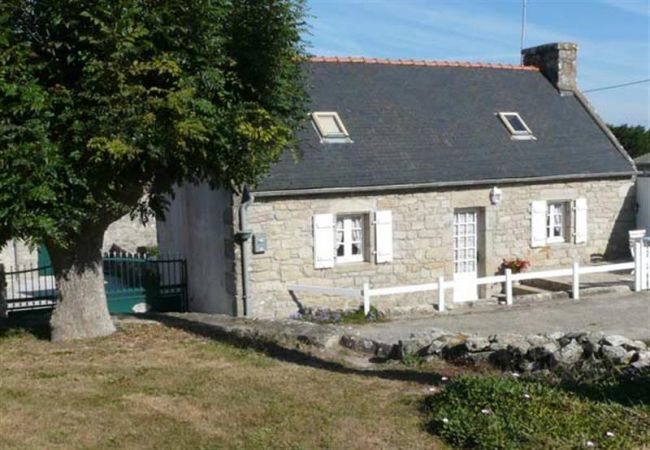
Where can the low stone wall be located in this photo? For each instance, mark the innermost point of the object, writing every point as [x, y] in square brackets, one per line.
[584, 351]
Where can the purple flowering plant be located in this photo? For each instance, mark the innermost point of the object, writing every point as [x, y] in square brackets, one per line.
[326, 315]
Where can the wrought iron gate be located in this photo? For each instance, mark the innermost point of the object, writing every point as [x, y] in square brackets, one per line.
[134, 283]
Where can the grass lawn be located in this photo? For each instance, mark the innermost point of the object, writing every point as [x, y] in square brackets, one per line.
[502, 413]
[150, 386]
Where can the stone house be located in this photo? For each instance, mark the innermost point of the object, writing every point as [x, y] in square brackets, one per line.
[409, 170]
[643, 163]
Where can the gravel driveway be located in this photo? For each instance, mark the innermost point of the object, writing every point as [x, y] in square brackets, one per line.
[625, 314]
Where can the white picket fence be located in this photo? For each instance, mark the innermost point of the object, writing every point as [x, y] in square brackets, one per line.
[640, 266]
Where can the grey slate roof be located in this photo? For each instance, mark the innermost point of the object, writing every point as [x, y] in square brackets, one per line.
[643, 160]
[436, 125]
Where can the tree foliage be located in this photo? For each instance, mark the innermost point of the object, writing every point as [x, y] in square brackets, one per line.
[635, 139]
[106, 104]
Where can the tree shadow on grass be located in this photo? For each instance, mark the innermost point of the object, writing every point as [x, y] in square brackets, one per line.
[627, 389]
[35, 323]
[293, 355]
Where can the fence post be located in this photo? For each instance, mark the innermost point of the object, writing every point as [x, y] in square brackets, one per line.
[638, 266]
[645, 270]
[575, 293]
[508, 286]
[366, 298]
[441, 294]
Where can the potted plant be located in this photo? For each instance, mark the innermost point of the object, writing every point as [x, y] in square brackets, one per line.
[517, 265]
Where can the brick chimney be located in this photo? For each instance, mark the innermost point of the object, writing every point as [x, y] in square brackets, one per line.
[557, 62]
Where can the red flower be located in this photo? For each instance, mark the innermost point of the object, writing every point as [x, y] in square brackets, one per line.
[517, 265]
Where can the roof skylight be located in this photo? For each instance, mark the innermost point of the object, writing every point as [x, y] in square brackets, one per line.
[330, 127]
[516, 125]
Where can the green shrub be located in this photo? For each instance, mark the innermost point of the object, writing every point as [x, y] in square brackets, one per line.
[500, 413]
[413, 360]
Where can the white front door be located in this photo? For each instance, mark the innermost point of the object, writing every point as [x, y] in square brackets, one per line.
[465, 255]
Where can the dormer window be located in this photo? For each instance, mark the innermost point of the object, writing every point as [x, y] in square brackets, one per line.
[330, 127]
[516, 126]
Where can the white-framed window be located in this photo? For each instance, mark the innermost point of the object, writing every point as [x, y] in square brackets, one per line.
[345, 237]
[330, 127]
[556, 221]
[516, 126]
[349, 238]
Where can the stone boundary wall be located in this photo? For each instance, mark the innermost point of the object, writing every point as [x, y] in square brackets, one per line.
[582, 351]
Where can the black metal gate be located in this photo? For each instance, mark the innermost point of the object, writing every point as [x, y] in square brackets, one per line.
[134, 283]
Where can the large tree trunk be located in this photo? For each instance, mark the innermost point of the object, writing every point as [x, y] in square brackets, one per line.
[82, 311]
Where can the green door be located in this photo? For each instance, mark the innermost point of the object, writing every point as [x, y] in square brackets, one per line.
[44, 262]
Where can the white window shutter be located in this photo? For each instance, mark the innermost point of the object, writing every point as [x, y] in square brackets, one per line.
[384, 236]
[323, 241]
[538, 224]
[580, 211]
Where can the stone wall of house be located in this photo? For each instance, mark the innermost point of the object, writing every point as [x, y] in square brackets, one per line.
[122, 235]
[423, 238]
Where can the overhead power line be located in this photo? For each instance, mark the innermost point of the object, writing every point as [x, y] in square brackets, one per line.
[615, 86]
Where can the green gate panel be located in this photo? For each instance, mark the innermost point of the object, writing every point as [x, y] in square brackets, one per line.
[132, 283]
[44, 262]
[125, 302]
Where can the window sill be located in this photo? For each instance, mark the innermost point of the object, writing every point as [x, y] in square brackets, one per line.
[563, 244]
[341, 140]
[352, 265]
[523, 137]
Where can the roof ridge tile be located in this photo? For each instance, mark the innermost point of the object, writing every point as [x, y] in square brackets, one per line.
[419, 62]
